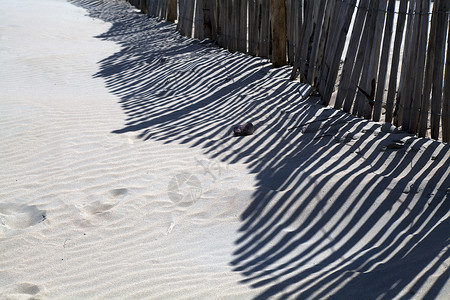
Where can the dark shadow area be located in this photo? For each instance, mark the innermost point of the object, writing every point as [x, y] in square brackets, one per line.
[343, 208]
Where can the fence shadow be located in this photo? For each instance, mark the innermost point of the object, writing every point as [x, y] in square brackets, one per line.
[343, 209]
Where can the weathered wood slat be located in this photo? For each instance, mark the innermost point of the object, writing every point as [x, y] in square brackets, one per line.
[436, 101]
[143, 6]
[392, 86]
[413, 117]
[322, 44]
[232, 34]
[278, 26]
[172, 10]
[428, 79]
[242, 30]
[236, 24]
[189, 18]
[158, 8]
[221, 20]
[446, 97]
[332, 64]
[318, 28]
[199, 20]
[367, 80]
[299, 55]
[328, 55]
[228, 24]
[164, 6]
[264, 38]
[207, 25]
[182, 14]
[372, 73]
[310, 20]
[251, 27]
[348, 74]
[213, 18]
[407, 77]
[383, 68]
[290, 18]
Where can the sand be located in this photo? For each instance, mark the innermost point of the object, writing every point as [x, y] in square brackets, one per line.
[120, 176]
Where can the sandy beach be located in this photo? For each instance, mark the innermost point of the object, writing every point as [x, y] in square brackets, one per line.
[120, 177]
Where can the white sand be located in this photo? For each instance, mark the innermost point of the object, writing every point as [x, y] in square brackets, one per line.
[119, 177]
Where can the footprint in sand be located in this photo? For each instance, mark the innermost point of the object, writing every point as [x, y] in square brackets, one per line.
[103, 209]
[20, 291]
[15, 216]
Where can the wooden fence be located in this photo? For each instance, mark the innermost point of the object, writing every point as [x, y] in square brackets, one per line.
[385, 60]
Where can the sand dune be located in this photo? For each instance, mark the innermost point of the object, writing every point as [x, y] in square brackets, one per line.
[120, 177]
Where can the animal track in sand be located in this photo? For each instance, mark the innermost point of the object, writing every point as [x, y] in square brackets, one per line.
[15, 216]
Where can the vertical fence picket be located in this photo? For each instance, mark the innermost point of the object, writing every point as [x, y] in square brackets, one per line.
[403, 100]
[236, 11]
[428, 79]
[318, 26]
[189, 18]
[290, 18]
[181, 14]
[413, 118]
[243, 27]
[278, 28]
[374, 60]
[360, 74]
[214, 18]
[312, 11]
[436, 101]
[392, 86]
[228, 23]
[251, 30]
[317, 62]
[384, 60]
[172, 10]
[199, 20]
[264, 29]
[446, 97]
[221, 13]
[332, 63]
[165, 4]
[301, 53]
[348, 74]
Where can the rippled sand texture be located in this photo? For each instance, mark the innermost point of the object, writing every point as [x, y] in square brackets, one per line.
[120, 178]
